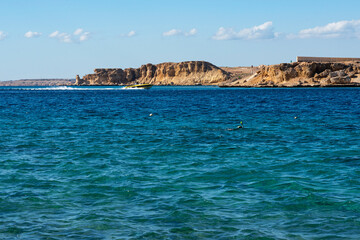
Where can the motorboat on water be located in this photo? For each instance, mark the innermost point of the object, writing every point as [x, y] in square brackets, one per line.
[139, 86]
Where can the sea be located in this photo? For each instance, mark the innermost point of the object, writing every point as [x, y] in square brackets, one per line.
[179, 163]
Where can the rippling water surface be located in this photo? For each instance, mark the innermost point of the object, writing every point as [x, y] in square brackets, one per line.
[90, 163]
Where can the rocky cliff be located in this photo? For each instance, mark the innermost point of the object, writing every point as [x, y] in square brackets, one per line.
[301, 74]
[183, 73]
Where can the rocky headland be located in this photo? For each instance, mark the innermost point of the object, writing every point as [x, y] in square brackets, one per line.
[297, 74]
[183, 73]
[300, 74]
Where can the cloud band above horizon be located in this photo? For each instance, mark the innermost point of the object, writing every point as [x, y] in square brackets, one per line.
[345, 29]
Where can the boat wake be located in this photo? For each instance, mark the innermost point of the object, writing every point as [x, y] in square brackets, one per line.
[68, 88]
[125, 88]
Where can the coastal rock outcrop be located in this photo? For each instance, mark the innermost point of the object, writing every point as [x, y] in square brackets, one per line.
[302, 74]
[297, 74]
[183, 73]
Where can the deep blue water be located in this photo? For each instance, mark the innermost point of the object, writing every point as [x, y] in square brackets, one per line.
[92, 164]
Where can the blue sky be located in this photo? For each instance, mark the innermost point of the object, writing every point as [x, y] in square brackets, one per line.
[59, 39]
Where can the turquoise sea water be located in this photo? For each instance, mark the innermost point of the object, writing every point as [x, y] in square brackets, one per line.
[90, 163]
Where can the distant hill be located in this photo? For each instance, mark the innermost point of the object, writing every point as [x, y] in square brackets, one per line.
[38, 82]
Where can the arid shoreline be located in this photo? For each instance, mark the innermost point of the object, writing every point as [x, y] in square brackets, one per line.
[200, 73]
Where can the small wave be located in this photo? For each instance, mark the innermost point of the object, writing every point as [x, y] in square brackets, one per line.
[55, 88]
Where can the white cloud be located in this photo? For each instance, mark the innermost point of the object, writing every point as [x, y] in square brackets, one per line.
[54, 34]
[79, 35]
[341, 29]
[131, 33]
[2, 35]
[78, 31]
[192, 32]
[64, 37]
[263, 31]
[31, 34]
[172, 32]
[84, 36]
[177, 32]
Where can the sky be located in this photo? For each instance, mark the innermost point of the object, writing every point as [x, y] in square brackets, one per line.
[63, 38]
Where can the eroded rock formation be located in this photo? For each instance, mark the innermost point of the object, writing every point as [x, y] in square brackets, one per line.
[297, 74]
[302, 74]
[184, 73]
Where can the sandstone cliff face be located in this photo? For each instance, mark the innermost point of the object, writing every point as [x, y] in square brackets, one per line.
[184, 73]
[303, 74]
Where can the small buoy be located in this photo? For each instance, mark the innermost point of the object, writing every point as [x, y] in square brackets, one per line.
[295, 117]
[150, 114]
